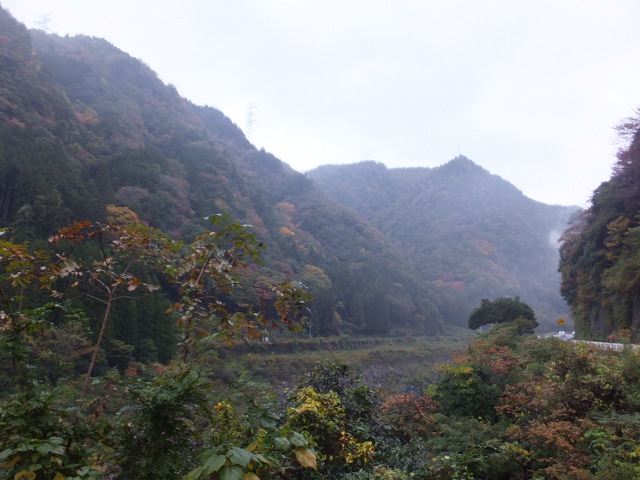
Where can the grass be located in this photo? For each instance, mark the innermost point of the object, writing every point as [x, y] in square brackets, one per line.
[392, 364]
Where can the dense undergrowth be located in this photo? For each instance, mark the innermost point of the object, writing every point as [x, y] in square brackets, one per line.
[233, 406]
[506, 407]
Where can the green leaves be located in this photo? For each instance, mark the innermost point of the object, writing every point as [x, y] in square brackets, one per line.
[599, 251]
[240, 456]
[231, 473]
[504, 310]
[236, 464]
[52, 445]
[209, 268]
[298, 440]
[281, 443]
[213, 462]
[153, 437]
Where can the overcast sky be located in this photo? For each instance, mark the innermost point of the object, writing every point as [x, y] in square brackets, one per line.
[530, 90]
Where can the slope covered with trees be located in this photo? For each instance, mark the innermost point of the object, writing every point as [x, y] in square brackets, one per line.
[89, 132]
[468, 233]
[600, 251]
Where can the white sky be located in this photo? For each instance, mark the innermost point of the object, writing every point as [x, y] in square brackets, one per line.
[530, 90]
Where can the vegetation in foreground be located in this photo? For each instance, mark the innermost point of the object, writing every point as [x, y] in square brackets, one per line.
[511, 406]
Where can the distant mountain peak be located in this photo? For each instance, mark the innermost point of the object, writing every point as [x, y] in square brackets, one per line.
[462, 158]
[462, 164]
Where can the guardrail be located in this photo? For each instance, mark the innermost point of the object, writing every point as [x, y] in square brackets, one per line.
[568, 336]
[607, 345]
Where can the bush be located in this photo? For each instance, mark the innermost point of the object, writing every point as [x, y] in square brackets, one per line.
[464, 390]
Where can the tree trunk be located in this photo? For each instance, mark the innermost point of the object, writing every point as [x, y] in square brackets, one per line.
[96, 349]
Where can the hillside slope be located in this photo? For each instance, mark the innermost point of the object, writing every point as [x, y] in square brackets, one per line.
[85, 126]
[471, 234]
[600, 251]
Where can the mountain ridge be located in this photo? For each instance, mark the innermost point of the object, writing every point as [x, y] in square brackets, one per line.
[436, 215]
[124, 138]
[130, 141]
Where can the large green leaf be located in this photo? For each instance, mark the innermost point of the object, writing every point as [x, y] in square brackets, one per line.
[46, 448]
[267, 422]
[213, 464]
[232, 472]
[239, 456]
[281, 443]
[298, 440]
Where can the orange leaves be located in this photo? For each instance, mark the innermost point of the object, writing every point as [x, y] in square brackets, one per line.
[533, 397]
[287, 232]
[558, 446]
[76, 232]
[409, 414]
[121, 247]
[210, 267]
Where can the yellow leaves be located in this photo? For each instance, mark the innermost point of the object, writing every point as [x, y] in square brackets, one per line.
[306, 458]
[287, 232]
[121, 215]
[458, 369]
[24, 475]
[250, 476]
[353, 451]
[10, 463]
[322, 416]
[365, 451]
[320, 406]
[87, 116]
[252, 446]
[617, 229]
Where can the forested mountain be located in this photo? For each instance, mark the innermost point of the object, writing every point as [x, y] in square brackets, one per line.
[600, 252]
[88, 132]
[470, 233]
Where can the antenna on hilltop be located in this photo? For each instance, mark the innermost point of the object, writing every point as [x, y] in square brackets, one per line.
[251, 119]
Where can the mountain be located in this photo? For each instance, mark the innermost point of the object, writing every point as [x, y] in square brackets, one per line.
[467, 232]
[88, 132]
